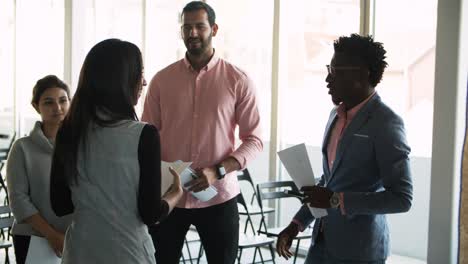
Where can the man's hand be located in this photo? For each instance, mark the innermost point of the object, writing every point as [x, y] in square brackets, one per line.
[285, 239]
[316, 196]
[206, 177]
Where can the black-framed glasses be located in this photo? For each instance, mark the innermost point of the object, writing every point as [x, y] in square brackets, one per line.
[332, 69]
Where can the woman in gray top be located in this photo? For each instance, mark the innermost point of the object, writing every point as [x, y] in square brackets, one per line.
[106, 167]
[28, 171]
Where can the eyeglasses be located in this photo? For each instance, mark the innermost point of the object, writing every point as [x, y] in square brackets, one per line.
[332, 70]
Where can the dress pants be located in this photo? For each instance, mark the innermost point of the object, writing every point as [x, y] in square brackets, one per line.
[21, 245]
[318, 254]
[217, 226]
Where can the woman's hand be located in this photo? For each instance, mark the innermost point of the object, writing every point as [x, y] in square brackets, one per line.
[54, 237]
[56, 240]
[174, 193]
[176, 187]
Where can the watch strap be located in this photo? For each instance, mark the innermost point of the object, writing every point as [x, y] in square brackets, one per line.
[220, 171]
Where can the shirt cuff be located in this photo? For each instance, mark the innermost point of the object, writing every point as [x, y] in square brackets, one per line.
[297, 222]
[342, 207]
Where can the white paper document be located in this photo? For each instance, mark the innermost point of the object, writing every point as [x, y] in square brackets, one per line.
[297, 164]
[186, 175]
[40, 252]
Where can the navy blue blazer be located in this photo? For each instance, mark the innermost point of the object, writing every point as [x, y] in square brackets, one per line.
[372, 170]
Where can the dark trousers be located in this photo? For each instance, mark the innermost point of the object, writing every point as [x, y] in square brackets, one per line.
[21, 245]
[318, 253]
[217, 226]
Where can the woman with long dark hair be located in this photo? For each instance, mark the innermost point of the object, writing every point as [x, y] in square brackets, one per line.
[28, 171]
[106, 166]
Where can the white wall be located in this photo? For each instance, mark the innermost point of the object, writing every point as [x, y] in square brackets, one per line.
[449, 114]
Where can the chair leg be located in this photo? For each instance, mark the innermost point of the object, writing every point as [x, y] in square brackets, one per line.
[296, 251]
[272, 253]
[239, 256]
[200, 253]
[260, 253]
[7, 258]
[182, 256]
[188, 250]
[255, 255]
[252, 199]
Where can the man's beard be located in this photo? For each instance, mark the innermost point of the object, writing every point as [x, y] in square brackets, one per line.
[201, 49]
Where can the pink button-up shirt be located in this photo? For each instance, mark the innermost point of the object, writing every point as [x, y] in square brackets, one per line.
[344, 119]
[196, 114]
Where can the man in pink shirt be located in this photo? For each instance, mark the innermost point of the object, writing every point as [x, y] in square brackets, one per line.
[366, 169]
[196, 103]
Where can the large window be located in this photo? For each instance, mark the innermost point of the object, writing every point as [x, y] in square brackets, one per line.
[249, 46]
[306, 46]
[97, 20]
[39, 51]
[7, 62]
[408, 87]
[164, 44]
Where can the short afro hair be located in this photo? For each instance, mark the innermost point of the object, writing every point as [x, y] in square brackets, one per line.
[365, 49]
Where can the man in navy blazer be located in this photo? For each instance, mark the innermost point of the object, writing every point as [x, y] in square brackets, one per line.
[365, 163]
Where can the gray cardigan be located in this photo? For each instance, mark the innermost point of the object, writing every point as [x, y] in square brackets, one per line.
[28, 182]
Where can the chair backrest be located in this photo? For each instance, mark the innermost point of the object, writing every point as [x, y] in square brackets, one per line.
[6, 218]
[6, 141]
[244, 175]
[3, 188]
[271, 191]
[275, 190]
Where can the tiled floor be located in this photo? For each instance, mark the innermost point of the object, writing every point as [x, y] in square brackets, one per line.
[248, 255]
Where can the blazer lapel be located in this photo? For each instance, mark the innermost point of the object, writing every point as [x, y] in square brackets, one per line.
[358, 121]
[330, 123]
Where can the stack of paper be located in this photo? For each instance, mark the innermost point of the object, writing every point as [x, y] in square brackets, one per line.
[40, 252]
[186, 175]
[297, 164]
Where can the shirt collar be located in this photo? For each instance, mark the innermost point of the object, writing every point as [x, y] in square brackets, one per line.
[214, 59]
[349, 115]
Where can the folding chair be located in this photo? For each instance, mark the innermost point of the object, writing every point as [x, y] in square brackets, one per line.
[253, 208]
[3, 190]
[191, 238]
[272, 191]
[6, 221]
[253, 240]
[6, 141]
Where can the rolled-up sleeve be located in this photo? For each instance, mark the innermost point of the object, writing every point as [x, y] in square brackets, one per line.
[248, 118]
[18, 184]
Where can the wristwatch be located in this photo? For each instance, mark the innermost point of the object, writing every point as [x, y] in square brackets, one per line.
[221, 171]
[335, 200]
